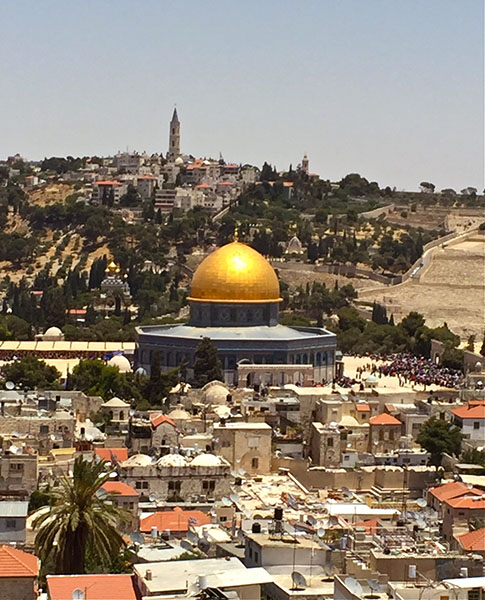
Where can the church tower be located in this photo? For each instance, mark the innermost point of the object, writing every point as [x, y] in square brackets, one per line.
[305, 164]
[174, 137]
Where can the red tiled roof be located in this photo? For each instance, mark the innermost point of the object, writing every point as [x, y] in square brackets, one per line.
[203, 185]
[452, 489]
[225, 183]
[287, 183]
[76, 311]
[118, 487]
[361, 407]
[174, 520]
[15, 563]
[112, 454]
[371, 525]
[470, 412]
[100, 587]
[158, 419]
[469, 502]
[107, 182]
[384, 419]
[473, 540]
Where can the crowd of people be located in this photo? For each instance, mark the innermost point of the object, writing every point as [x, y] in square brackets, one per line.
[412, 369]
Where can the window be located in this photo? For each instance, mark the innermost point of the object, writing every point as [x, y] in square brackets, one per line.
[476, 424]
[17, 467]
[226, 443]
[174, 486]
[381, 435]
[473, 594]
[256, 557]
[330, 442]
[209, 486]
[391, 435]
[44, 429]
[253, 442]
[10, 523]
[255, 463]
[346, 457]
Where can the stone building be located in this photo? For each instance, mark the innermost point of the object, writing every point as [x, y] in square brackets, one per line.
[174, 478]
[18, 574]
[385, 433]
[244, 445]
[19, 472]
[125, 497]
[326, 446]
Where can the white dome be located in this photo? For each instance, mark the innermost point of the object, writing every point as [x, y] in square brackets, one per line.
[215, 393]
[54, 332]
[115, 403]
[179, 161]
[121, 362]
[179, 413]
[172, 460]
[137, 460]
[206, 460]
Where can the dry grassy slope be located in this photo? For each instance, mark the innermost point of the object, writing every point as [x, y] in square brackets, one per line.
[43, 196]
[50, 193]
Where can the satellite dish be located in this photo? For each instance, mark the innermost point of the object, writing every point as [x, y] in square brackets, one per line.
[347, 493]
[242, 472]
[136, 537]
[421, 502]
[78, 594]
[10, 385]
[299, 582]
[374, 585]
[15, 449]
[192, 537]
[234, 498]
[204, 545]
[52, 437]
[113, 475]
[353, 586]
[186, 545]
[329, 569]
[311, 519]
[152, 498]
[320, 532]
[226, 501]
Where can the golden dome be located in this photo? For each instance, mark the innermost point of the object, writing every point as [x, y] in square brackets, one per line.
[235, 273]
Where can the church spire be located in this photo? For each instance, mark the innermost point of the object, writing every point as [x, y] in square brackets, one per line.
[174, 137]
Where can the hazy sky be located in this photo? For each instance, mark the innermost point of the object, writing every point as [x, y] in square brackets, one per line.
[391, 89]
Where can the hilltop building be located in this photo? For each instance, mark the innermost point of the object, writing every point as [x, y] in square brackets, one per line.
[234, 301]
[174, 137]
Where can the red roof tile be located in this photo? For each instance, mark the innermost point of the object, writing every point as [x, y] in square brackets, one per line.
[452, 489]
[99, 587]
[15, 563]
[470, 412]
[473, 540]
[118, 487]
[174, 520]
[468, 502]
[384, 419]
[158, 419]
[112, 454]
[107, 182]
[371, 525]
[361, 407]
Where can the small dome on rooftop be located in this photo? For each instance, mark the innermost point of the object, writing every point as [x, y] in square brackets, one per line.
[179, 413]
[172, 460]
[206, 460]
[120, 361]
[53, 333]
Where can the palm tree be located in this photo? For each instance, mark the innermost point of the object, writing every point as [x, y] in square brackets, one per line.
[79, 516]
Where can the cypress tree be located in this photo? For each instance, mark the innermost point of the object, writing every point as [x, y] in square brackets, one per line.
[207, 365]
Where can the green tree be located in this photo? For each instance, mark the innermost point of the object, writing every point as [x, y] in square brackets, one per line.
[80, 517]
[438, 436]
[412, 322]
[207, 365]
[31, 372]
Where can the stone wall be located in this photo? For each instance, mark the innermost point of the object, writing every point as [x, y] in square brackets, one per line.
[17, 588]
